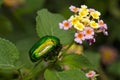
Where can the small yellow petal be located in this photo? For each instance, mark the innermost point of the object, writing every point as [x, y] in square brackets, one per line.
[95, 14]
[84, 13]
[93, 24]
[73, 20]
[78, 17]
[79, 26]
[83, 6]
[86, 20]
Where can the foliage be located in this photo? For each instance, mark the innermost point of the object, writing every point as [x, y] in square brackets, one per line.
[114, 68]
[1, 2]
[72, 74]
[7, 25]
[76, 61]
[47, 24]
[8, 54]
[30, 6]
[94, 58]
[20, 23]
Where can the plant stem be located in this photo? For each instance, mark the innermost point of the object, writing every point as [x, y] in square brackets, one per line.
[69, 46]
[35, 71]
[21, 76]
[62, 54]
[102, 73]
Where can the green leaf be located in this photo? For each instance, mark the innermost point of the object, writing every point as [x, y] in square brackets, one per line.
[73, 74]
[8, 54]
[48, 24]
[114, 68]
[94, 58]
[1, 1]
[30, 6]
[76, 61]
[38, 70]
[24, 45]
[5, 25]
[51, 75]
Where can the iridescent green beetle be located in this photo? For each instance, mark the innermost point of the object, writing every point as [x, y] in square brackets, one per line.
[46, 48]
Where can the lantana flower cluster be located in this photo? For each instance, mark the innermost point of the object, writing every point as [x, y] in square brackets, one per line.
[86, 22]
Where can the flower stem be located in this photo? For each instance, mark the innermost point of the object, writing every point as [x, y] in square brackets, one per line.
[68, 47]
[65, 50]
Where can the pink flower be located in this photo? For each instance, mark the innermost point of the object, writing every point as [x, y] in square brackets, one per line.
[105, 33]
[73, 8]
[90, 74]
[102, 24]
[65, 25]
[89, 32]
[91, 10]
[103, 27]
[79, 37]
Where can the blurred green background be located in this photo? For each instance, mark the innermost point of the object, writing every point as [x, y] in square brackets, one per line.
[18, 24]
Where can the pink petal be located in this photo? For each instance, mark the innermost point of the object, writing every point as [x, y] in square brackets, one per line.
[105, 33]
[60, 25]
[88, 36]
[90, 74]
[78, 40]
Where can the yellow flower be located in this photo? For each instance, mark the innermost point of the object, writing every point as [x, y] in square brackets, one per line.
[78, 17]
[83, 12]
[93, 24]
[95, 14]
[79, 26]
[86, 20]
[73, 20]
[83, 7]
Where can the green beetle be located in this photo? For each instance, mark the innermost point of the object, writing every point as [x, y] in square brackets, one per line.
[46, 48]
